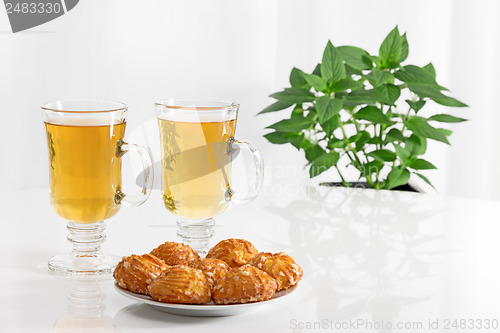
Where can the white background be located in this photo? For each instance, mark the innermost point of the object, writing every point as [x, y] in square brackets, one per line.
[141, 51]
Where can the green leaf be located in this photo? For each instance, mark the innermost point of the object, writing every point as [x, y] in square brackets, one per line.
[423, 90]
[317, 70]
[360, 139]
[378, 77]
[294, 95]
[375, 140]
[404, 48]
[296, 124]
[362, 96]
[416, 105]
[332, 66]
[394, 135]
[316, 82]
[276, 106]
[373, 115]
[414, 74]
[353, 56]
[331, 125]
[382, 155]
[398, 176]
[446, 118]
[327, 107]
[323, 163]
[368, 60]
[296, 139]
[346, 84]
[402, 152]
[445, 131]
[419, 126]
[349, 71]
[425, 179]
[336, 143]
[313, 152]
[297, 79]
[430, 69]
[416, 145]
[421, 164]
[449, 101]
[391, 49]
[277, 137]
[389, 92]
[298, 111]
[370, 168]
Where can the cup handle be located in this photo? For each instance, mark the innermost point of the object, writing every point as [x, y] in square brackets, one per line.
[147, 164]
[254, 189]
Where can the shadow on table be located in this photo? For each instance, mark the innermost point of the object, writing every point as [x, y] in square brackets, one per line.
[372, 252]
[141, 317]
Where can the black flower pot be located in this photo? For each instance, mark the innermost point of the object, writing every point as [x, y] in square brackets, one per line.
[406, 187]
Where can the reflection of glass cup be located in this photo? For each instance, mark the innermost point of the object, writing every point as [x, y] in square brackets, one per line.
[198, 146]
[86, 309]
[85, 140]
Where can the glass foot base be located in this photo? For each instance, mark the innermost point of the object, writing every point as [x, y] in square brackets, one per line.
[86, 257]
[83, 265]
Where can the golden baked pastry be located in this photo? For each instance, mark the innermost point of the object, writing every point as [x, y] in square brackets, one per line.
[180, 284]
[135, 272]
[214, 269]
[173, 253]
[280, 266]
[243, 285]
[235, 252]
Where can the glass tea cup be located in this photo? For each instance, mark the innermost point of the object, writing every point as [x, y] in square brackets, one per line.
[85, 143]
[198, 147]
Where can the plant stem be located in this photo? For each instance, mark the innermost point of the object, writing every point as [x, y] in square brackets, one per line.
[341, 177]
[354, 121]
[405, 119]
[349, 146]
[358, 161]
[370, 181]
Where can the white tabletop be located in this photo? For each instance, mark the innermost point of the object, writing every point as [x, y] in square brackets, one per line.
[371, 260]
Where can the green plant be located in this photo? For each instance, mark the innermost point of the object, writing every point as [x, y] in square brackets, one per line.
[352, 105]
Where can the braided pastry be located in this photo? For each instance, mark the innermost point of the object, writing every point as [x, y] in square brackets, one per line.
[173, 253]
[235, 252]
[280, 266]
[243, 285]
[180, 284]
[214, 269]
[135, 272]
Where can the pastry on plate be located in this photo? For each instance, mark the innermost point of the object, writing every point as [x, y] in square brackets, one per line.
[181, 284]
[214, 269]
[135, 272]
[173, 253]
[243, 285]
[280, 266]
[235, 252]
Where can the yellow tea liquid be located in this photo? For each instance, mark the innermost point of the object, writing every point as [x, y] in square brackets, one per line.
[85, 173]
[196, 168]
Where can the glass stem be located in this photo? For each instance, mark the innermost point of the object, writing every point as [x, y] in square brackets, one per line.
[196, 233]
[86, 238]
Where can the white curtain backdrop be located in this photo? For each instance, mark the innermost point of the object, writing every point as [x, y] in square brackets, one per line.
[140, 51]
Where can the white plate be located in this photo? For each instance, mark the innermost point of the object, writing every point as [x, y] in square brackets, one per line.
[203, 310]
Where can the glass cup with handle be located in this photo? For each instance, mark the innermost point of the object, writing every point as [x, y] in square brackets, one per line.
[198, 147]
[85, 143]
